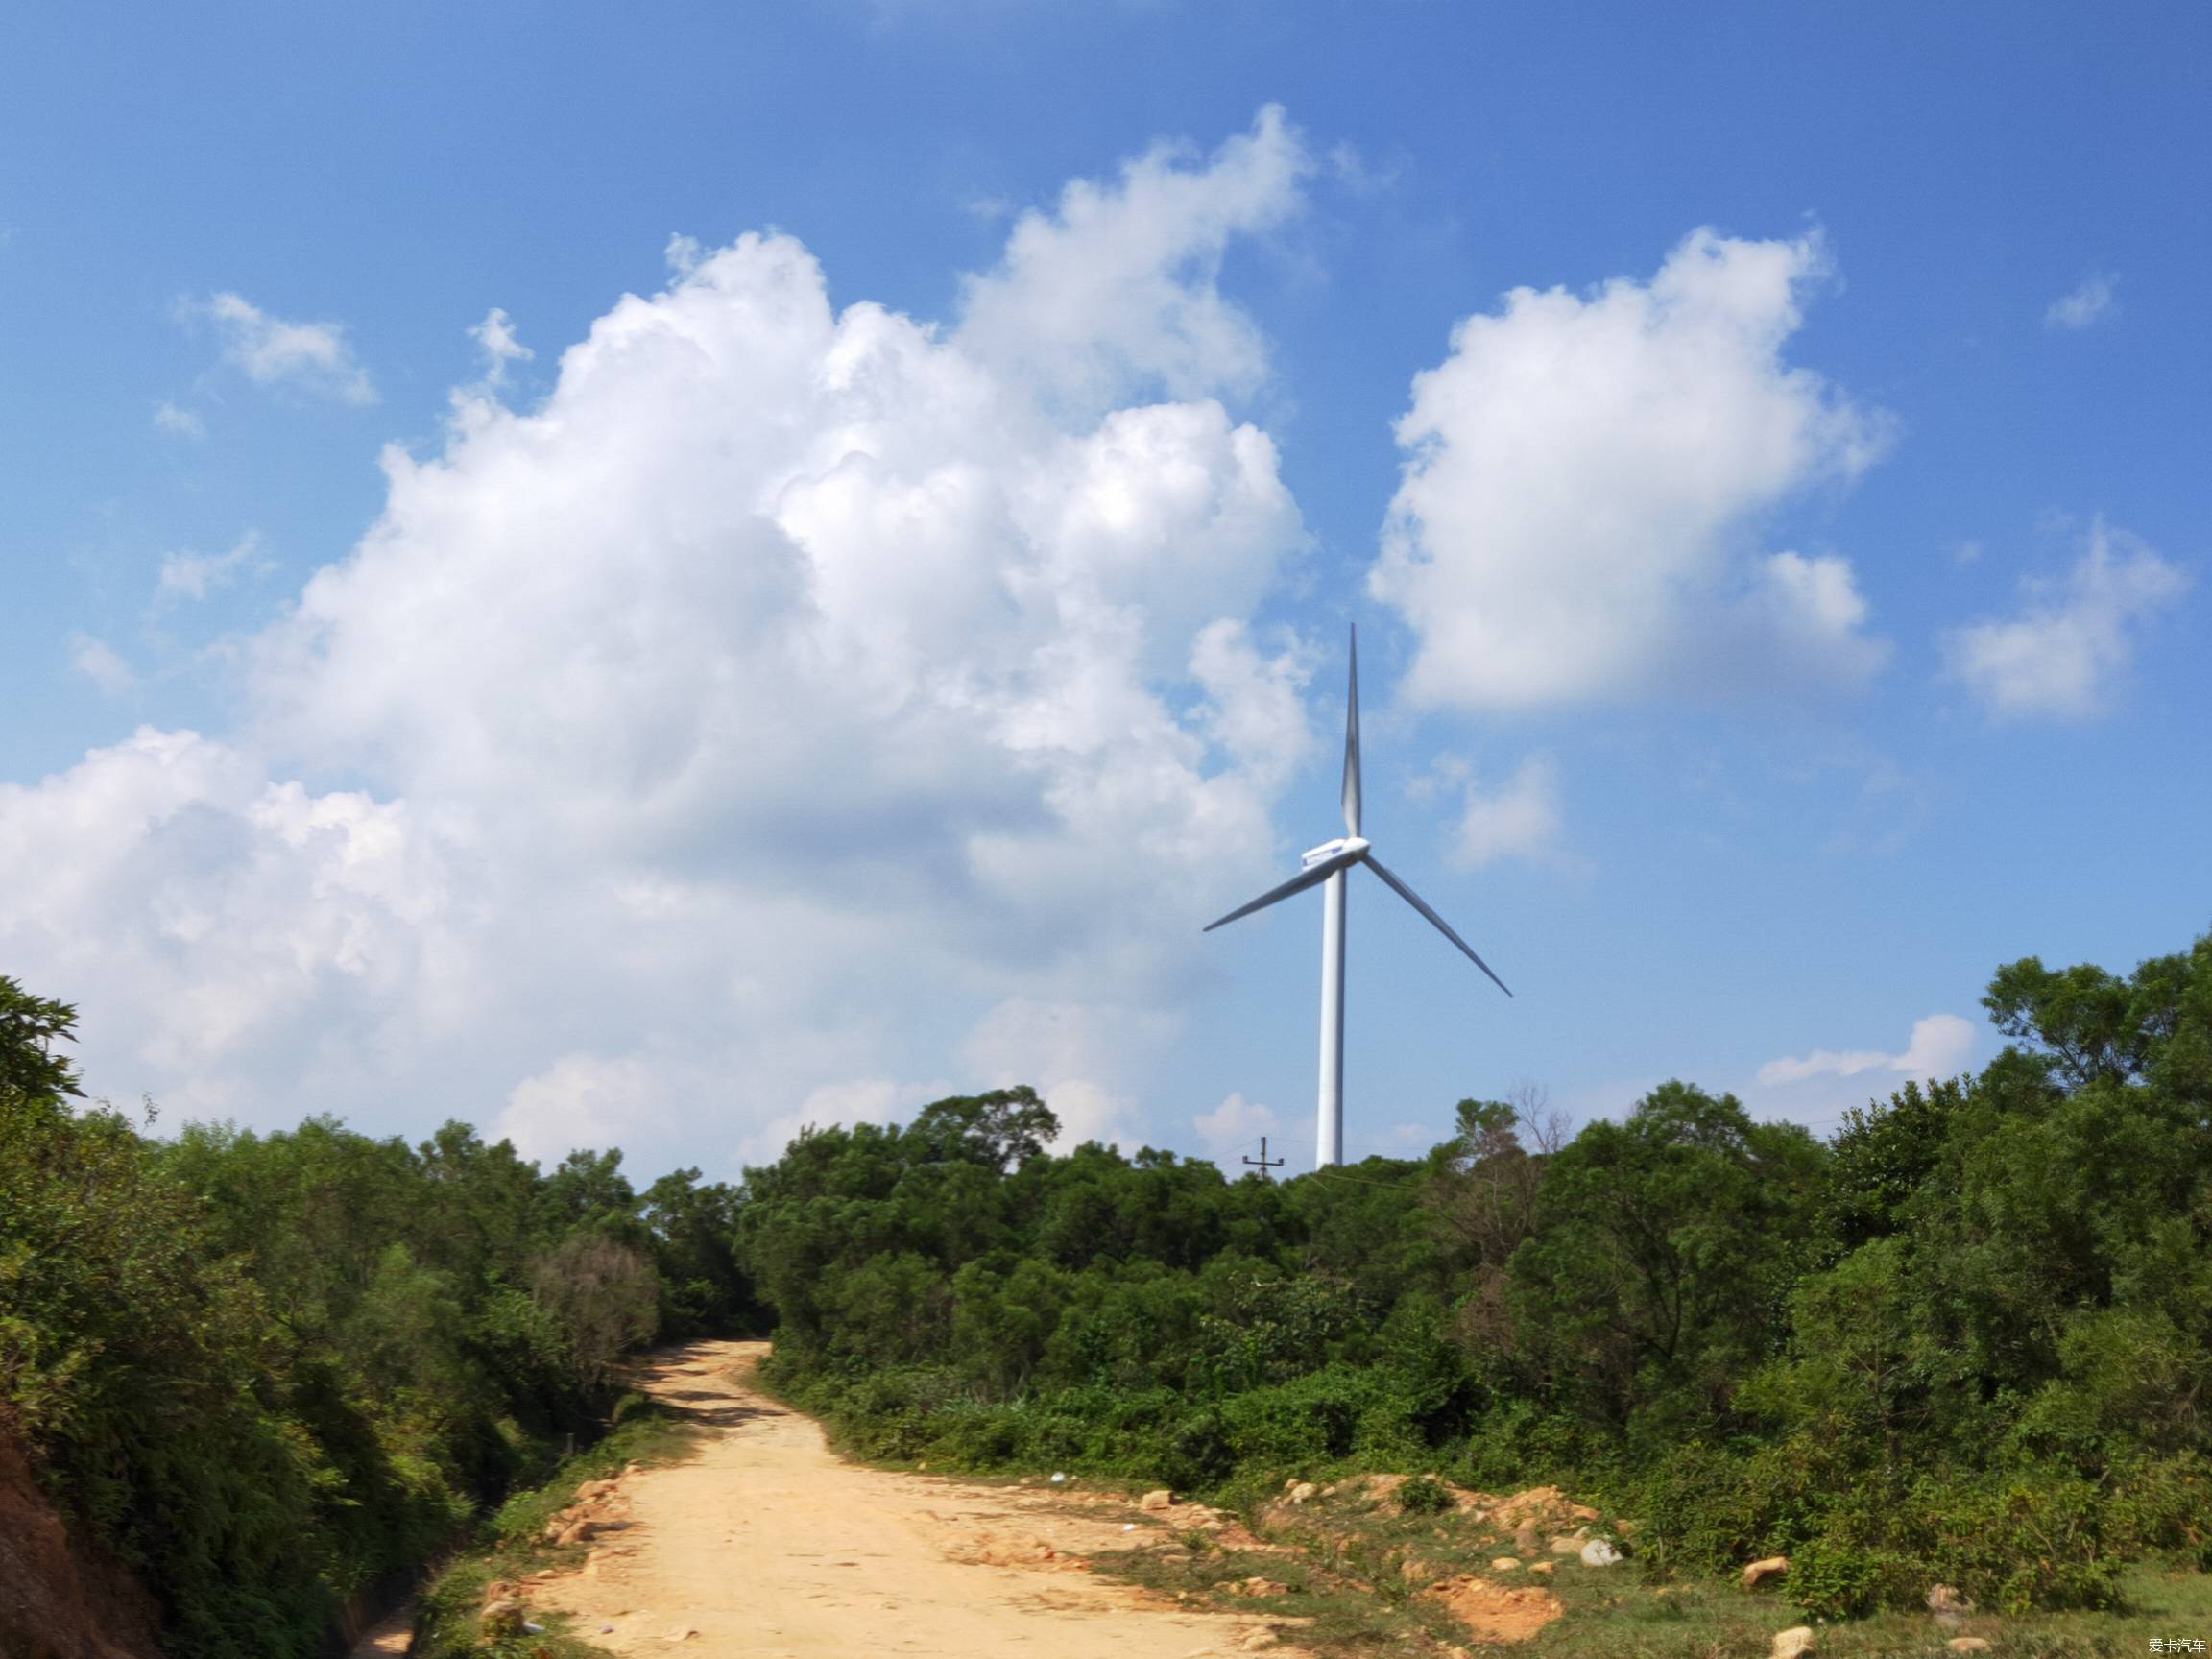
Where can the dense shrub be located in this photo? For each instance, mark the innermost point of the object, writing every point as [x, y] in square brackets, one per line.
[268, 1372]
[1969, 1339]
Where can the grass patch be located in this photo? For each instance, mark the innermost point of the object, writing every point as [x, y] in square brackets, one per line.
[1631, 1620]
[1320, 1608]
[512, 1545]
[1353, 1569]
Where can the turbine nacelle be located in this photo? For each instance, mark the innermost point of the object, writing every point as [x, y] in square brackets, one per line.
[1343, 851]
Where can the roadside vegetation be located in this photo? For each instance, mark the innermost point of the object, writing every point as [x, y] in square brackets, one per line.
[468, 1611]
[1967, 1339]
[1357, 1571]
[272, 1375]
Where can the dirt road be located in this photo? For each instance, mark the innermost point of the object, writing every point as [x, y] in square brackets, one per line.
[768, 1546]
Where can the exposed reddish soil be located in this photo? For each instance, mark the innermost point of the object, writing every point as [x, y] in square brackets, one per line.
[1494, 1612]
[58, 1599]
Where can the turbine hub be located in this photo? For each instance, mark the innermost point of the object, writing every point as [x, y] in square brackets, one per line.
[1344, 846]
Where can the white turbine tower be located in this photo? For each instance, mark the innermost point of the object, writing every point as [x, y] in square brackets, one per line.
[1328, 863]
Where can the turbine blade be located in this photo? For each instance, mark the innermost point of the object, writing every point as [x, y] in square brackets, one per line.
[1443, 926]
[1297, 883]
[1352, 744]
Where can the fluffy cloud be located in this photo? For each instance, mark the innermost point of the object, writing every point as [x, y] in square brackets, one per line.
[1234, 1127]
[311, 356]
[1116, 290]
[1581, 472]
[1073, 1053]
[1520, 819]
[2088, 304]
[228, 936]
[586, 1101]
[787, 694]
[2073, 638]
[1940, 1047]
[1254, 706]
[497, 345]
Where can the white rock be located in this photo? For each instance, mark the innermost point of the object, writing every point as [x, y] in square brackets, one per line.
[1792, 1644]
[1599, 1553]
[1771, 1567]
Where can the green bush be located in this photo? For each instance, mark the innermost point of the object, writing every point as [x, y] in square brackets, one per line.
[1423, 1494]
[2162, 1504]
[1832, 1579]
[2031, 1540]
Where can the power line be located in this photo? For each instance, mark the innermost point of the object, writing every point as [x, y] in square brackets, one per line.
[1359, 1181]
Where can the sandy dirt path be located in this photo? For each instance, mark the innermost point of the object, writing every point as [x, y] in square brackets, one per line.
[768, 1546]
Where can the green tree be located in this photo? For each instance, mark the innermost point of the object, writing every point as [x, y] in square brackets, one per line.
[1001, 1129]
[1666, 1248]
[28, 1029]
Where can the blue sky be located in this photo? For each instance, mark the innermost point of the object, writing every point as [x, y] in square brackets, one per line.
[1762, 448]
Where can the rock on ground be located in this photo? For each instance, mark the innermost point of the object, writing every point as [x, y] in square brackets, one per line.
[1759, 1572]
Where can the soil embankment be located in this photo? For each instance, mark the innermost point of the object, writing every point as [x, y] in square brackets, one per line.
[767, 1545]
[58, 1599]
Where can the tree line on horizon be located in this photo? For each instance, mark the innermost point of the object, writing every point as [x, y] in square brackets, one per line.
[1968, 1336]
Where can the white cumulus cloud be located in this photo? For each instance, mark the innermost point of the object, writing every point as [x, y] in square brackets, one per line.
[495, 341]
[2073, 638]
[1582, 472]
[270, 352]
[1115, 290]
[1940, 1047]
[1519, 818]
[584, 1100]
[232, 940]
[1234, 1128]
[792, 695]
[1076, 1055]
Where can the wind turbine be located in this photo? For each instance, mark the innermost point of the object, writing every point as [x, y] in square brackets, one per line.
[1326, 864]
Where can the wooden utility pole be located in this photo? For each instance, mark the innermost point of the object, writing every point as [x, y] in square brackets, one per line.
[1264, 1163]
